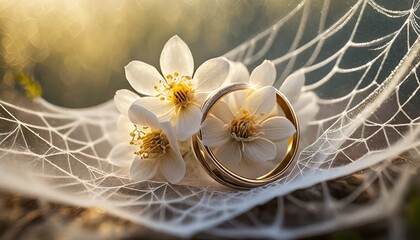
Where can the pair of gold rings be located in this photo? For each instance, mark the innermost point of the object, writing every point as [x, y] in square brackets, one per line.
[226, 176]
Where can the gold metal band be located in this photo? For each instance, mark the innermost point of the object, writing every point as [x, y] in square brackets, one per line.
[221, 173]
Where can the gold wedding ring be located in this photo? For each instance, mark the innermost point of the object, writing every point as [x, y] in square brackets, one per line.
[221, 173]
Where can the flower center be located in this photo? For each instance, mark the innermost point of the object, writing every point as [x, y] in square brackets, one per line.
[177, 89]
[153, 144]
[180, 93]
[243, 126]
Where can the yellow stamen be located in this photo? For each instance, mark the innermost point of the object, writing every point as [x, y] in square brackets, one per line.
[180, 93]
[177, 89]
[135, 137]
[243, 126]
[152, 144]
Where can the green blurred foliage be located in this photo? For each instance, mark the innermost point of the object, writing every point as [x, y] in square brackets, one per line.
[31, 86]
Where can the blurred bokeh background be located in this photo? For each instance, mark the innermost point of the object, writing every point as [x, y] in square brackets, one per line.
[77, 49]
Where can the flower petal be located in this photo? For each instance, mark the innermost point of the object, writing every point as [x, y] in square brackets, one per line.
[187, 122]
[176, 57]
[143, 117]
[211, 74]
[200, 98]
[143, 169]
[250, 169]
[303, 100]
[164, 110]
[123, 99]
[282, 150]
[277, 128]
[222, 111]
[121, 133]
[175, 152]
[143, 77]
[261, 101]
[238, 73]
[172, 167]
[122, 154]
[229, 154]
[213, 132]
[124, 125]
[170, 134]
[237, 99]
[259, 150]
[307, 114]
[292, 86]
[263, 75]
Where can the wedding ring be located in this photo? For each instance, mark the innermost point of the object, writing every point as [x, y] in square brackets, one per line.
[222, 174]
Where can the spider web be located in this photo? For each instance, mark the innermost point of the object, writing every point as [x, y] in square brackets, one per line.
[359, 57]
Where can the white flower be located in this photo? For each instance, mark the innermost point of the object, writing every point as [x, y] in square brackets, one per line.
[157, 148]
[153, 146]
[304, 103]
[246, 131]
[178, 95]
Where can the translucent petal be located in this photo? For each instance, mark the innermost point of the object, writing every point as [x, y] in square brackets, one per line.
[172, 167]
[260, 150]
[211, 74]
[176, 57]
[261, 101]
[200, 98]
[222, 111]
[263, 75]
[143, 77]
[164, 110]
[303, 100]
[143, 117]
[187, 122]
[214, 132]
[143, 169]
[236, 100]
[230, 153]
[121, 133]
[253, 169]
[238, 73]
[307, 114]
[277, 128]
[123, 99]
[170, 134]
[122, 154]
[124, 125]
[293, 85]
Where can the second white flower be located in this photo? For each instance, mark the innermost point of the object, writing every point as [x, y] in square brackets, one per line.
[246, 131]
